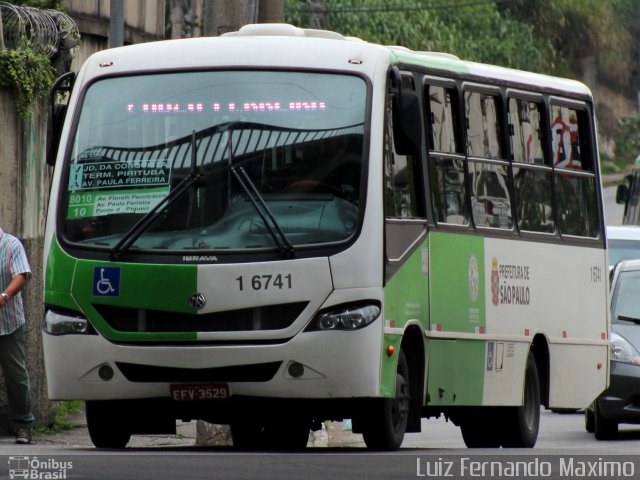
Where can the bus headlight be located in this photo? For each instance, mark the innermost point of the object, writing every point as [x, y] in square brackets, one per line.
[65, 323]
[345, 318]
[623, 351]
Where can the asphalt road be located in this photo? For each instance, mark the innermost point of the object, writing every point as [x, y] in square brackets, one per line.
[338, 455]
[612, 211]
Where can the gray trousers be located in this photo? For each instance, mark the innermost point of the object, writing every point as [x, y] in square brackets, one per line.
[16, 377]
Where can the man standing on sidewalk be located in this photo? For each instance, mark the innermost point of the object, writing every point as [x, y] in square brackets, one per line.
[14, 273]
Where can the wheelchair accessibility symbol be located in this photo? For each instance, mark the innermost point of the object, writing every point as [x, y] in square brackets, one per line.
[106, 281]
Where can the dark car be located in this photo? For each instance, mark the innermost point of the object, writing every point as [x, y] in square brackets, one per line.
[620, 403]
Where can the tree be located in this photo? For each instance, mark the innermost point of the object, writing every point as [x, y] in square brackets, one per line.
[590, 40]
[478, 31]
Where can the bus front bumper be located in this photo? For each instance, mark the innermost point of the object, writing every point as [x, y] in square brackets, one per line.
[312, 365]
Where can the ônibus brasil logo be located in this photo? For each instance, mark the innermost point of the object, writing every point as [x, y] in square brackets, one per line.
[38, 469]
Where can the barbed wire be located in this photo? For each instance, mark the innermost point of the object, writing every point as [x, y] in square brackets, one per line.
[46, 31]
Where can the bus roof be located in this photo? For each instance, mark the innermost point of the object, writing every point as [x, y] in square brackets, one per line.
[287, 46]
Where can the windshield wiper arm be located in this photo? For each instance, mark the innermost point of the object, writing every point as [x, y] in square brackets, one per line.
[152, 215]
[263, 210]
[629, 319]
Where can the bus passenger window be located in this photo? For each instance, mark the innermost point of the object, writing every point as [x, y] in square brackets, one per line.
[526, 131]
[531, 171]
[446, 164]
[533, 199]
[443, 137]
[483, 131]
[448, 191]
[490, 195]
[565, 137]
[578, 206]
[575, 181]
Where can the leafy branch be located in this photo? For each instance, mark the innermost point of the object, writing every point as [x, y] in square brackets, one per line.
[28, 74]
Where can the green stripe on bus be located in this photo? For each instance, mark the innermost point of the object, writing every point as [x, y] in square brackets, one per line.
[456, 367]
[456, 372]
[406, 298]
[458, 295]
[164, 288]
[59, 273]
[69, 284]
[431, 61]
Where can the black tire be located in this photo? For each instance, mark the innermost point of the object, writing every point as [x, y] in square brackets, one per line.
[106, 424]
[510, 427]
[481, 432]
[521, 424]
[589, 420]
[385, 424]
[604, 428]
[289, 435]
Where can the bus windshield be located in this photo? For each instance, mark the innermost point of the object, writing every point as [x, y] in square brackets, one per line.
[167, 148]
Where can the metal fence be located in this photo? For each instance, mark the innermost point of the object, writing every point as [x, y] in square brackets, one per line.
[46, 31]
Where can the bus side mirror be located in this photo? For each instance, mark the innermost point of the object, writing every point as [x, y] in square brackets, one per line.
[406, 116]
[622, 194]
[56, 115]
[407, 123]
[57, 112]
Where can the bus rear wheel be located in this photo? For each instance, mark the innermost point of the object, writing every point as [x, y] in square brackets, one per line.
[386, 422]
[521, 424]
[510, 427]
[106, 426]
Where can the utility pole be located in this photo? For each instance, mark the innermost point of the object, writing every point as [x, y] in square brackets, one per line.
[221, 16]
[116, 23]
[271, 11]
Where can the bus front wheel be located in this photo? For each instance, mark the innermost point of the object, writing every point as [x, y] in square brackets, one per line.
[386, 421]
[106, 426]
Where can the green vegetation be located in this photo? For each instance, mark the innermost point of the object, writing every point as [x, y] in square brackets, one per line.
[628, 139]
[64, 411]
[588, 40]
[28, 74]
[480, 32]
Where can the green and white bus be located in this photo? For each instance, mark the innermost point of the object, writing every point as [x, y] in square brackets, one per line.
[280, 227]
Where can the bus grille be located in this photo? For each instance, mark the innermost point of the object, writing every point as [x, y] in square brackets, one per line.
[271, 317]
[259, 372]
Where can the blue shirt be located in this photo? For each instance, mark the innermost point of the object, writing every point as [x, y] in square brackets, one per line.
[13, 262]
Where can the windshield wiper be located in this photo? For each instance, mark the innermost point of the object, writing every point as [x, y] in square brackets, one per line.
[152, 215]
[257, 200]
[629, 319]
[263, 210]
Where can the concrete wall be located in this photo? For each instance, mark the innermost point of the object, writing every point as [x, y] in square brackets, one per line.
[24, 189]
[144, 19]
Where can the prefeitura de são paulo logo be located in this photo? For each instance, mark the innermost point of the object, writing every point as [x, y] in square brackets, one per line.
[495, 282]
